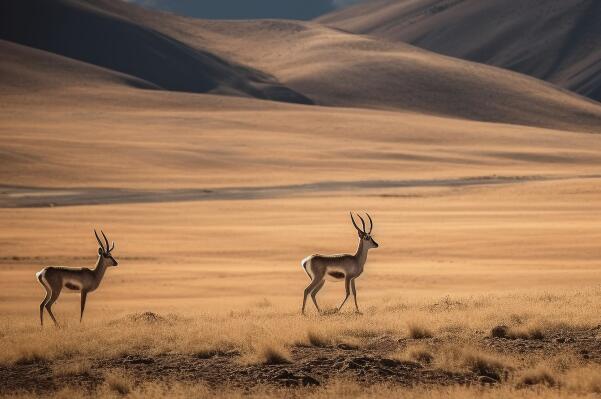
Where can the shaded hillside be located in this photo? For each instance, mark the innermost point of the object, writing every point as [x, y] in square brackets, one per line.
[85, 31]
[341, 69]
[554, 40]
[328, 66]
[24, 70]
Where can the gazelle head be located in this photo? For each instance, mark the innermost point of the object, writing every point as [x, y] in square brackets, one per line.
[104, 251]
[365, 235]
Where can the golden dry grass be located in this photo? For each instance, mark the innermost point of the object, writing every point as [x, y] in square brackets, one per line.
[224, 276]
[119, 387]
[250, 330]
[211, 297]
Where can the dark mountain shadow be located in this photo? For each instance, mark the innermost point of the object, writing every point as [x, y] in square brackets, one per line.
[82, 31]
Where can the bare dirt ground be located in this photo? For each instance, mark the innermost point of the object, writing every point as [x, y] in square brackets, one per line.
[311, 365]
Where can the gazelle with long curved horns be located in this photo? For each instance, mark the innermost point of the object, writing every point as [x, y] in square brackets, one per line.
[84, 280]
[343, 267]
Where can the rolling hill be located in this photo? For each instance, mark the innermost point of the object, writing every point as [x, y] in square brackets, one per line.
[88, 31]
[291, 61]
[555, 40]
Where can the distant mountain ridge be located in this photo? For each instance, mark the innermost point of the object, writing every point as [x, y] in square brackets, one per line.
[555, 40]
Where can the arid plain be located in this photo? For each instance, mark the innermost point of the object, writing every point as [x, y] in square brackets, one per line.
[487, 282]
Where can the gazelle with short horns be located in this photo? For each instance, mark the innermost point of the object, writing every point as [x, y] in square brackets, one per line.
[84, 280]
[343, 267]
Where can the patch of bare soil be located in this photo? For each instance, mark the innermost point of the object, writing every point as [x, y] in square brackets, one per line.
[309, 365]
[583, 343]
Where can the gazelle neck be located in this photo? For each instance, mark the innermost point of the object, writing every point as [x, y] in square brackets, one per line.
[361, 254]
[99, 270]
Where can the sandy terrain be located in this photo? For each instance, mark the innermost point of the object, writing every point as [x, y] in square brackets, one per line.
[555, 40]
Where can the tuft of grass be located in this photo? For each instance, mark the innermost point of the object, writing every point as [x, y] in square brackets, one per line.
[521, 332]
[118, 383]
[335, 389]
[275, 355]
[318, 339]
[419, 353]
[418, 331]
[29, 356]
[584, 380]
[484, 364]
[538, 376]
[72, 368]
[267, 353]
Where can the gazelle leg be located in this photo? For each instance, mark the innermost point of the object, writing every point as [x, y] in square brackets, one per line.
[49, 303]
[48, 295]
[314, 293]
[310, 289]
[355, 295]
[347, 283]
[84, 294]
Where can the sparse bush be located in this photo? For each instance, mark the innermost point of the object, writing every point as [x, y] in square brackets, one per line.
[485, 365]
[267, 353]
[417, 331]
[318, 339]
[275, 355]
[481, 363]
[421, 354]
[499, 332]
[538, 376]
[118, 383]
[531, 332]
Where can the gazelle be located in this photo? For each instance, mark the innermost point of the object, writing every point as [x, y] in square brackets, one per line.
[339, 267]
[53, 279]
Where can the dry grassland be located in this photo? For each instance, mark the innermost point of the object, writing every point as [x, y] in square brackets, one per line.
[223, 282]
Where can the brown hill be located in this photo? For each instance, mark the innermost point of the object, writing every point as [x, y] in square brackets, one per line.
[325, 65]
[25, 70]
[554, 40]
[89, 31]
[336, 68]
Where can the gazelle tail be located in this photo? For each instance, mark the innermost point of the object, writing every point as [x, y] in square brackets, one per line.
[304, 264]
